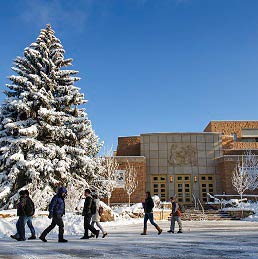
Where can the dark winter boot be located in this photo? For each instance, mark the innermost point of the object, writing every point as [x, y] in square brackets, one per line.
[180, 231]
[159, 230]
[42, 238]
[85, 237]
[62, 240]
[144, 231]
[14, 236]
[32, 237]
[97, 233]
[104, 234]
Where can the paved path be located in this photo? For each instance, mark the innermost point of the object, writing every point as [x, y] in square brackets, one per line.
[223, 239]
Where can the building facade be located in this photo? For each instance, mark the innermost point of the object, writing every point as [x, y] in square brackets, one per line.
[188, 165]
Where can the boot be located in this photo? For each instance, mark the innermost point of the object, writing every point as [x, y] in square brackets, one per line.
[104, 234]
[144, 231]
[42, 238]
[32, 237]
[62, 240]
[159, 230]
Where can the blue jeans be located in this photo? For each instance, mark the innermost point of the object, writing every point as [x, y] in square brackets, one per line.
[150, 217]
[20, 226]
[173, 220]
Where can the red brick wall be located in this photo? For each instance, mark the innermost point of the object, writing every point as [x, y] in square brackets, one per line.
[129, 146]
[120, 195]
[229, 127]
[226, 167]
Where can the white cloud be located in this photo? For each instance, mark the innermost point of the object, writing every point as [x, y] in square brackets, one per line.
[57, 12]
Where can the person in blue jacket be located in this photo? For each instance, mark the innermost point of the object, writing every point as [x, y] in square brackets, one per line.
[56, 212]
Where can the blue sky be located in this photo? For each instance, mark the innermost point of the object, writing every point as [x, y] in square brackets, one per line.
[148, 65]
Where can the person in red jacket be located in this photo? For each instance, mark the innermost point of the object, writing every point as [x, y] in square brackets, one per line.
[175, 216]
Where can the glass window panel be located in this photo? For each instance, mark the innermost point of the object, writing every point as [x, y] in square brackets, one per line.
[180, 194]
[179, 178]
[180, 190]
[155, 178]
[203, 190]
[210, 185]
[186, 190]
[163, 185]
[180, 185]
[204, 195]
[156, 190]
[210, 190]
[162, 178]
[187, 199]
[203, 185]
[187, 195]
[180, 199]
[163, 190]
[210, 178]
[203, 178]
[156, 186]
[187, 178]
[204, 199]
[186, 185]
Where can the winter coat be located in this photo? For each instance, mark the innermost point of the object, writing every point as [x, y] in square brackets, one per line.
[96, 216]
[21, 206]
[148, 205]
[175, 209]
[57, 204]
[87, 206]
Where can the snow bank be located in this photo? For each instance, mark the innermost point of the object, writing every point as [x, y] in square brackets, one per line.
[6, 228]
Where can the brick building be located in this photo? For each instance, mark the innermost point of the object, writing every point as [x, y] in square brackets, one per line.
[186, 164]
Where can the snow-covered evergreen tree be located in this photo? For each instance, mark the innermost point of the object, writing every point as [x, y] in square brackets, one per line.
[46, 140]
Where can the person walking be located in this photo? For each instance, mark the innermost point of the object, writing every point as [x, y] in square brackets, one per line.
[96, 216]
[148, 205]
[175, 216]
[56, 212]
[87, 213]
[25, 211]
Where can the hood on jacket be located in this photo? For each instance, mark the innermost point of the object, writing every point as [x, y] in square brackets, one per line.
[61, 190]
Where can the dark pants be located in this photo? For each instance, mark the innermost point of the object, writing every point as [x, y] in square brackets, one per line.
[20, 226]
[57, 220]
[87, 226]
[150, 217]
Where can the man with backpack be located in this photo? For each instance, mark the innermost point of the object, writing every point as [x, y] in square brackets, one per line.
[88, 209]
[25, 211]
[175, 216]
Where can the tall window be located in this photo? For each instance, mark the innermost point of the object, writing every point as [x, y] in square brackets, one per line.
[183, 188]
[207, 183]
[158, 183]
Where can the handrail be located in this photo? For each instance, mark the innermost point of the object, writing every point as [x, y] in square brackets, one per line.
[201, 207]
[195, 202]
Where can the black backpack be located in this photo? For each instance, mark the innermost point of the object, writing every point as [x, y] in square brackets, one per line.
[29, 208]
[93, 207]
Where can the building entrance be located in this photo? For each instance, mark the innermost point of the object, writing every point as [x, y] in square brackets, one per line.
[183, 189]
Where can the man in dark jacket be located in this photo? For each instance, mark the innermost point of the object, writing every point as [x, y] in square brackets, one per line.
[87, 213]
[25, 211]
[175, 216]
[148, 206]
[56, 212]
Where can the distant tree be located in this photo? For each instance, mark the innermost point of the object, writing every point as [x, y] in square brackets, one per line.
[46, 140]
[245, 175]
[107, 180]
[131, 181]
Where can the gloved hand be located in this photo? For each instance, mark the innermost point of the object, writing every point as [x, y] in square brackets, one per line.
[50, 216]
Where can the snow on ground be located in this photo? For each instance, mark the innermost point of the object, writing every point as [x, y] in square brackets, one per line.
[202, 239]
